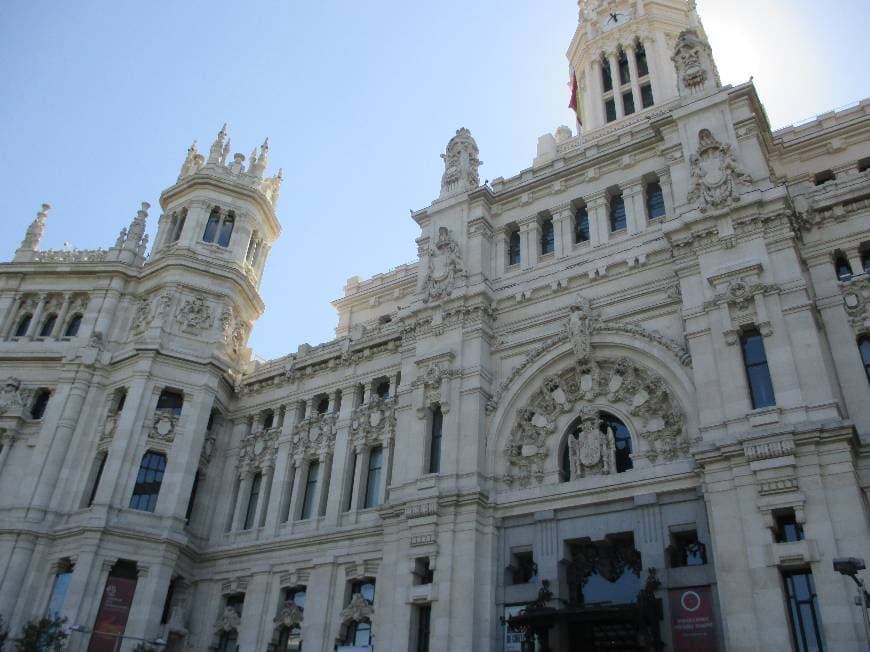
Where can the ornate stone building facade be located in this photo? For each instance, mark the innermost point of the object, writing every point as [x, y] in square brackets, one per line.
[620, 400]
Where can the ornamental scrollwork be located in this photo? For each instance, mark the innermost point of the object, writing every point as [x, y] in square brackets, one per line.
[716, 175]
[259, 449]
[195, 315]
[373, 422]
[445, 267]
[289, 616]
[163, 427]
[315, 436]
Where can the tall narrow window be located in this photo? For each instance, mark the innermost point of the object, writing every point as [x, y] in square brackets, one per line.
[803, 611]
[606, 77]
[373, 477]
[548, 238]
[610, 110]
[581, 225]
[348, 504]
[621, 440]
[226, 230]
[59, 588]
[310, 490]
[627, 103]
[148, 482]
[655, 200]
[617, 212]
[842, 266]
[757, 372]
[323, 404]
[513, 249]
[37, 410]
[253, 499]
[92, 494]
[424, 616]
[646, 96]
[268, 419]
[383, 389]
[212, 226]
[864, 347]
[170, 402]
[48, 325]
[624, 71]
[191, 501]
[178, 226]
[640, 59]
[23, 325]
[435, 440]
[75, 323]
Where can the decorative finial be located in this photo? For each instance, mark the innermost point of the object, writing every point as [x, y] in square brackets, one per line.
[217, 147]
[258, 167]
[136, 230]
[33, 236]
[461, 164]
[188, 166]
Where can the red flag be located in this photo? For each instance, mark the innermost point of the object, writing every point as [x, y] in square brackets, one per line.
[574, 104]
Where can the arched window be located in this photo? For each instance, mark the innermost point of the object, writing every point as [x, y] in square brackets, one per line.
[581, 225]
[75, 323]
[211, 227]
[655, 200]
[514, 247]
[435, 439]
[640, 58]
[48, 325]
[227, 230]
[842, 267]
[148, 482]
[23, 325]
[610, 426]
[617, 212]
[548, 238]
[864, 347]
[37, 410]
[624, 71]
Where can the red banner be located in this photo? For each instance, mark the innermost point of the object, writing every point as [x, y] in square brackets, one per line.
[692, 622]
[112, 617]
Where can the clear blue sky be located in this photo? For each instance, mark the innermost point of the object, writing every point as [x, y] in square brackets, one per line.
[100, 100]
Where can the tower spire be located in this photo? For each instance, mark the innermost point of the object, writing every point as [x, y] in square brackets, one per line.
[34, 233]
[216, 152]
[258, 166]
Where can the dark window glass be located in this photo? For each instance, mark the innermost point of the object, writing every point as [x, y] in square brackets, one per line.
[655, 200]
[23, 325]
[513, 248]
[167, 603]
[310, 490]
[621, 438]
[178, 226]
[640, 58]
[523, 568]
[843, 268]
[170, 402]
[617, 213]
[424, 616]
[120, 400]
[359, 634]
[268, 419]
[192, 500]
[48, 325]
[423, 573]
[865, 260]
[864, 347]
[383, 389]
[823, 177]
[148, 482]
[74, 325]
[686, 550]
[228, 642]
[624, 72]
[864, 164]
[610, 110]
[253, 498]
[435, 440]
[787, 528]
[548, 238]
[373, 477]
[606, 572]
[606, 78]
[227, 230]
[646, 96]
[348, 505]
[757, 373]
[101, 465]
[803, 611]
[581, 225]
[211, 227]
[628, 103]
[323, 405]
[37, 410]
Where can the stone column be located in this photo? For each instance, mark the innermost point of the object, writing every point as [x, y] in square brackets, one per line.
[667, 191]
[16, 571]
[343, 455]
[599, 222]
[247, 477]
[252, 611]
[37, 317]
[57, 331]
[592, 97]
[300, 473]
[635, 85]
[324, 471]
[614, 75]
[283, 471]
[528, 244]
[147, 607]
[635, 220]
[109, 307]
[7, 440]
[359, 450]
[386, 464]
[8, 310]
[265, 495]
[76, 595]
[562, 230]
[501, 261]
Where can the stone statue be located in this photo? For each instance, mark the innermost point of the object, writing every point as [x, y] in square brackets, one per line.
[10, 395]
[35, 231]
[461, 164]
[693, 59]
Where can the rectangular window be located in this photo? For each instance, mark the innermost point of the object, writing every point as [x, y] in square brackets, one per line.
[617, 213]
[640, 59]
[423, 617]
[606, 78]
[253, 499]
[581, 225]
[373, 477]
[646, 96]
[435, 440]
[628, 103]
[523, 567]
[610, 110]
[514, 248]
[348, 505]
[59, 588]
[96, 484]
[170, 402]
[624, 71]
[787, 529]
[548, 237]
[803, 611]
[655, 200]
[757, 373]
[148, 482]
[686, 550]
[310, 490]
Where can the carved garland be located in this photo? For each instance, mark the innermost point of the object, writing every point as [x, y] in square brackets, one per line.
[374, 422]
[315, 436]
[259, 449]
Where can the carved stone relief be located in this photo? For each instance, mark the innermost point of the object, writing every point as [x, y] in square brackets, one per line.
[373, 422]
[259, 449]
[229, 620]
[163, 427]
[315, 436]
[716, 175]
[289, 616]
[856, 299]
[741, 297]
[445, 267]
[693, 58]
[461, 164]
[195, 315]
[11, 399]
[357, 610]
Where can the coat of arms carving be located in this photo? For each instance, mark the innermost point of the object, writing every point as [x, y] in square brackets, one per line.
[716, 175]
[445, 266]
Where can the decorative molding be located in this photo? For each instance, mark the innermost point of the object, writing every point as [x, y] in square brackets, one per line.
[259, 449]
[856, 300]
